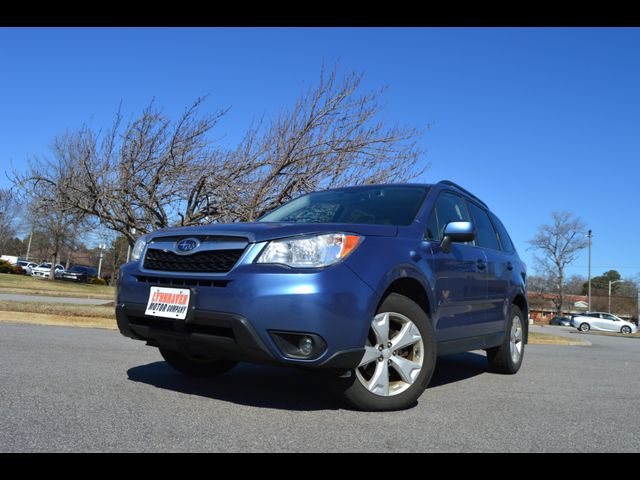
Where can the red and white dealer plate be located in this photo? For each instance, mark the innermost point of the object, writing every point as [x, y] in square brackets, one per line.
[168, 302]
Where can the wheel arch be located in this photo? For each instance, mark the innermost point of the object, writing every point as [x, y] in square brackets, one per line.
[411, 288]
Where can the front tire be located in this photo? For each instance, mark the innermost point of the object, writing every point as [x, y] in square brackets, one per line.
[196, 366]
[399, 358]
[584, 327]
[625, 330]
[507, 357]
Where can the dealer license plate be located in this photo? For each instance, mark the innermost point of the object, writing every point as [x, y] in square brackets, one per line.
[168, 302]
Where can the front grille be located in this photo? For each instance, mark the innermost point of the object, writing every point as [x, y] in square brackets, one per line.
[209, 261]
[182, 282]
[182, 326]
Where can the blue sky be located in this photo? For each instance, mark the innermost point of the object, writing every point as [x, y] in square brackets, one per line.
[531, 120]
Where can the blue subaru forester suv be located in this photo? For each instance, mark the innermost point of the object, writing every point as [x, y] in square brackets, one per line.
[370, 284]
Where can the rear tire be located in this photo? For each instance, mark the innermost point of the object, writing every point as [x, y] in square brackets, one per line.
[507, 357]
[196, 366]
[399, 359]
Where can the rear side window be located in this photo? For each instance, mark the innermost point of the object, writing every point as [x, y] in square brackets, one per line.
[505, 241]
[449, 208]
[485, 234]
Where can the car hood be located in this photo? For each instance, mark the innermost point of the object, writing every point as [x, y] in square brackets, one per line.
[263, 231]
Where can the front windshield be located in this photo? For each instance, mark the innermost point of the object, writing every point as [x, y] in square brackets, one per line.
[78, 269]
[386, 205]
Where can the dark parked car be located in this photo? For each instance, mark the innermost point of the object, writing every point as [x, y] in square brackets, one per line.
[80, 273]
[561, 321]
[369, 283]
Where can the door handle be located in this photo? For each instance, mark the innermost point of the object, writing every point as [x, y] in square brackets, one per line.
[481, 264]
[509, 266]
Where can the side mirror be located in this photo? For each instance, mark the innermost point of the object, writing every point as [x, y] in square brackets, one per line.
[457, 232]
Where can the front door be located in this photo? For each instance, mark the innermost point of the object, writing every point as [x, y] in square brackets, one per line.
[460, 275]
[461, 291]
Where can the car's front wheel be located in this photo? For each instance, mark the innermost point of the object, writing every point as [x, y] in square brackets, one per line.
[196, 366]
[584, 327]
[399, 358]
[625, 329]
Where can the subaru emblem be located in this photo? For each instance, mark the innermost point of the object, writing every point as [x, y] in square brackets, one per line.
[187, 244]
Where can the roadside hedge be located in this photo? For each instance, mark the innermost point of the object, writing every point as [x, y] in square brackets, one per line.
[6, 267]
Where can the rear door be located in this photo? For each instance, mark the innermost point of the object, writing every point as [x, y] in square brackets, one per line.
[460, 275]
[498, 270]
[609, 322]
[595, 320]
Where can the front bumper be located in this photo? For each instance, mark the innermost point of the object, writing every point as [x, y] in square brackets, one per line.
[74, 279]
[235, 315]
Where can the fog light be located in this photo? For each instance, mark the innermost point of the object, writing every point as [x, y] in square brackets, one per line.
[299, 345]
[305, 345]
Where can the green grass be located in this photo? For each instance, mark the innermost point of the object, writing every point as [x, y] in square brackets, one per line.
[62, 309]
[25, 285]
[536, 338]
[58, 320]
[613, 334]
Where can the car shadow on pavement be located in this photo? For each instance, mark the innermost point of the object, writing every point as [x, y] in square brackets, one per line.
[455, 368]
[247, 384]
[284, 388]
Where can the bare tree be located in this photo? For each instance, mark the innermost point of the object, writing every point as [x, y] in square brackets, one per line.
[332, 137]
[140, 177]
[575, 284]
[539, 284]
[558, 245]
[44, 195]
[8, 210]
[153, 173]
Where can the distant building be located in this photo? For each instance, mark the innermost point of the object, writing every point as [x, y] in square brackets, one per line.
[542, 308]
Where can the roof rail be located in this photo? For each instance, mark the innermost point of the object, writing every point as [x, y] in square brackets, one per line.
[455, 185]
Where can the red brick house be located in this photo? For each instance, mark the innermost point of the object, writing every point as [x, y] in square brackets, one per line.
[542, 308]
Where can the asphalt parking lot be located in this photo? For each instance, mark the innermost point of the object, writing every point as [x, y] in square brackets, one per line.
[80, 389]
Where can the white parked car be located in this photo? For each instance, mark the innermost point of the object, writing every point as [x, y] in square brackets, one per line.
[43, 270]
[27, 266]
[602, 321]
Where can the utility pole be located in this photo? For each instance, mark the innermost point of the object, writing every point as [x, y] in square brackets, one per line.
[612, 283]
[101, 247]
[29, 246]
[589, 235]
[638, 320]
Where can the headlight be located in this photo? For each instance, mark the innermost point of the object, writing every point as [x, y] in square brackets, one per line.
[310, 252]
[138, 248]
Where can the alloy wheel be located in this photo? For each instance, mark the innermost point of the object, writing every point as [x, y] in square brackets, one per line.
[393, 356]
[516, 339]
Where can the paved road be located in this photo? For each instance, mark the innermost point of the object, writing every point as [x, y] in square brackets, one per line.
[41, 298]
[76, 389]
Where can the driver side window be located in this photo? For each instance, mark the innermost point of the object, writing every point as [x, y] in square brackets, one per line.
[449, 207]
